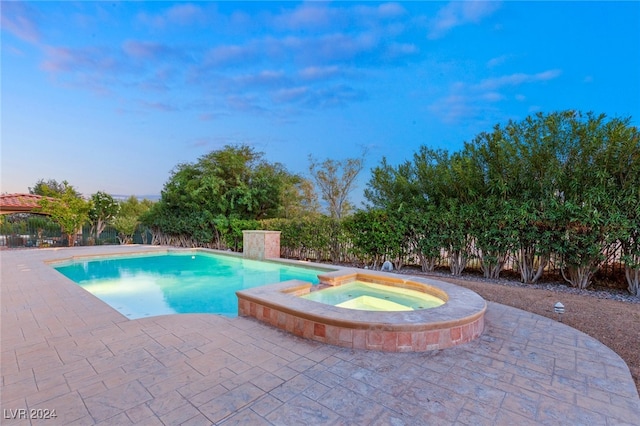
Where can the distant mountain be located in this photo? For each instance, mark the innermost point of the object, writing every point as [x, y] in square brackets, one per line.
[120, 197]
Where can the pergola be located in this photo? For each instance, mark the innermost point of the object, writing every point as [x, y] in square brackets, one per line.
[19, 203]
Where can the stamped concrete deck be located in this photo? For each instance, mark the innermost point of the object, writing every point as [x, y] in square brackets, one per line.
[62, 349]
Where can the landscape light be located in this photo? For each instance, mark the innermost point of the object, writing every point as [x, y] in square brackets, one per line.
[559, 309]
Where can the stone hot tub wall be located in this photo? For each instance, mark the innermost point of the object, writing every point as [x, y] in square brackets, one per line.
[459, 320]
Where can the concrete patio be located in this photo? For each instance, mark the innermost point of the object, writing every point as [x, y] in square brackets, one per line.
[63, 349]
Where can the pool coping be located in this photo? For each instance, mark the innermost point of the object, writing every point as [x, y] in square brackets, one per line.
[459, 320]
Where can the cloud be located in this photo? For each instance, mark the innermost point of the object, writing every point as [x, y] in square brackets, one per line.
[66, 59]
[244, 103]
[458, 13]
[319, 97]
[400, 50]
[159, 106]
[181, 14]
[452, 108]
[226, 55]
[320, 72]
[317, 16]
[264, 78]
[517, 79]
[386, 10]
[292, 94]
[149, 50]
[306, 16]
[318, 56]
[479, 101]
[20, 20]
[497, 61]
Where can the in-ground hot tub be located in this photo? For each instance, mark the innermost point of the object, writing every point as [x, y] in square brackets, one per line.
[368, 296]
[459, 319]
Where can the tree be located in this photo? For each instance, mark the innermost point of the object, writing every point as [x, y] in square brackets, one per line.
[68, 210]
[299, 198]
[202, 203]
[52, 188]
[493, 197]
[129, 217]
[621, 161]
[102, 213]
[336, 180]
[376, 236]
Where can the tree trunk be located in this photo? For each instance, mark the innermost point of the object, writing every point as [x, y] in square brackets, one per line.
[529, 273]
[457, 262]
[428, 264]
[633, 279]
[492, 265]
[579, 276]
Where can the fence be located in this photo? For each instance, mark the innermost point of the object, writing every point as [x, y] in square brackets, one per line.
[25, 235]
[610, 274]
[41, 233]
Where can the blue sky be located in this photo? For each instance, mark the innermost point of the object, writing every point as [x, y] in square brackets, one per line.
[112, 96]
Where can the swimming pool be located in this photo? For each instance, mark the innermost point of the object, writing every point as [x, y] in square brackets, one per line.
[184, 282]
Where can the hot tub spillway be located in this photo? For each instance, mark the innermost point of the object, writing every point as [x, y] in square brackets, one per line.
[459, 319]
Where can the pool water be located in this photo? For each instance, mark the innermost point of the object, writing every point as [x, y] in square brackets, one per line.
[142, 286]
[374, 297]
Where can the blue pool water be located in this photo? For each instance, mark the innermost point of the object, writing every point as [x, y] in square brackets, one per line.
[141, 286]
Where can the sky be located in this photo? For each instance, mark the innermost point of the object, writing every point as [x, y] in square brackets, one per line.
[111, 96]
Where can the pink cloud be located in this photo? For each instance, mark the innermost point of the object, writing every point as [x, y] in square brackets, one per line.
[149, 50]
[69, 59]
[18, 19]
